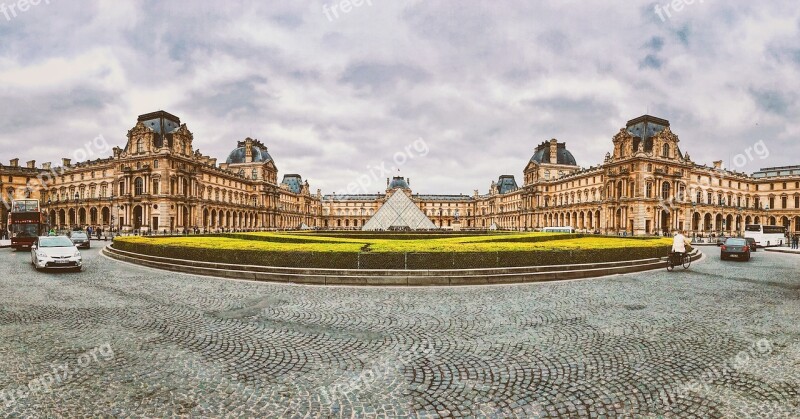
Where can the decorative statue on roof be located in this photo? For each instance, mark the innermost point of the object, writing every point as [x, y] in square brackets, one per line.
[456, 214]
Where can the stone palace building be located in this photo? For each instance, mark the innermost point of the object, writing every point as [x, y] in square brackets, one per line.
[646, 185]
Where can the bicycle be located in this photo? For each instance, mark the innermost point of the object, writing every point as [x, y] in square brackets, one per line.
[678, 259]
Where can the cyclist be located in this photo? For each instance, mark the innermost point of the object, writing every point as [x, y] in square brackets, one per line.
[679, 245]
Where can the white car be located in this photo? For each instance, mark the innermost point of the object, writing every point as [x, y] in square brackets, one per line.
[57, 252]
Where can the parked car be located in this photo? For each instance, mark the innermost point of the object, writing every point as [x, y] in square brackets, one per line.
[721, 240]
[752, 243]
[56, 252]
[80, 239]
[735, 248]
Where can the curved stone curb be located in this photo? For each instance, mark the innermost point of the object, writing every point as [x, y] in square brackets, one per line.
[368, 277]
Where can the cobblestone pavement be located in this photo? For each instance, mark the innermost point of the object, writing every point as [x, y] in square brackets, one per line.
[719, 340]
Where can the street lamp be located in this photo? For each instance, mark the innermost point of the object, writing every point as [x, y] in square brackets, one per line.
[77, 204]
[49, 220]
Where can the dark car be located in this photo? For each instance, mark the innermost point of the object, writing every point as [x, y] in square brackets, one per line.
[752, 243]
[735, 248]
[80, 239]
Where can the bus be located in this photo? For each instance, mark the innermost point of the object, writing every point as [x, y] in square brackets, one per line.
[765, 236]
[24, 223]
[566, 229]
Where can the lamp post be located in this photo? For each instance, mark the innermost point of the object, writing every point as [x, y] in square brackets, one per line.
[49, 220]
[111, 203]
[77, 204]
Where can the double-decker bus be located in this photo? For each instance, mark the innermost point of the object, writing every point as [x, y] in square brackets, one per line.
[765, 235]
[24, 223]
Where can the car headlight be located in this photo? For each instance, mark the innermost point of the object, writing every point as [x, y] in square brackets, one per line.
[41, 255]
[77, 254]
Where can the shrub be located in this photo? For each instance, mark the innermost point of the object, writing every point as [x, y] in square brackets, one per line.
[450, 253]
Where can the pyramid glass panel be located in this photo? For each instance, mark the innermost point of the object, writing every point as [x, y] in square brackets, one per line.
[399, 213]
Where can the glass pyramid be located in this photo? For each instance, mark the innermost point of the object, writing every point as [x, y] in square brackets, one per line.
[399, 213]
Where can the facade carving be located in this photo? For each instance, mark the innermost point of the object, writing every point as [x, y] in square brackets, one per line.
[645, 185]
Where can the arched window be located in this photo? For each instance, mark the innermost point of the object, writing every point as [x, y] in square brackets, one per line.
[665, 153]
[138, 186]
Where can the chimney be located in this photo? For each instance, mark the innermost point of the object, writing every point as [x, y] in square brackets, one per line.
[65, 162]
[14, 163]
[212, 162]
[718, 164]
[32, 164]
[46, 166]
[409, 182]
[387, 183]
[248, 150]
[553, 151]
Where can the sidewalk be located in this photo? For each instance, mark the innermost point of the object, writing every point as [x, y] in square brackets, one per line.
[783, 250]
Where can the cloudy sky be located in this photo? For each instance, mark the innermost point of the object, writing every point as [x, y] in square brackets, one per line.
[335, 91]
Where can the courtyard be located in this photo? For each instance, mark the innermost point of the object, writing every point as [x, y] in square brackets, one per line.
[719, 340]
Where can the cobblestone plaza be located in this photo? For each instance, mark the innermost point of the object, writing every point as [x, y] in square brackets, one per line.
[718, 340]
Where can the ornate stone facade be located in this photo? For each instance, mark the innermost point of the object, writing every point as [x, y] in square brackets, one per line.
[646, 185]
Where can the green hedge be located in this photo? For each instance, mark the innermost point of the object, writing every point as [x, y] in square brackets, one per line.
[372, 260]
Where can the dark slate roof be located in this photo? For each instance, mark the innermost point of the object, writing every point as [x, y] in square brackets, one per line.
[507, 183]
[295, 182]
[163, 125]
[777, 171]
[398, 182]
[442, 197]
[643, 129]
[542, 154]
[355, 197]
[258, 150]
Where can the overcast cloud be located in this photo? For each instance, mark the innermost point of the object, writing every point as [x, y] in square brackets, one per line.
[330, 93]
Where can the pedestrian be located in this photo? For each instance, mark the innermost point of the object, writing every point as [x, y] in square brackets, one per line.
[796, 241]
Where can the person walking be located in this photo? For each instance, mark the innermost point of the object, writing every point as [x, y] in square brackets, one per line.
[796, 241]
